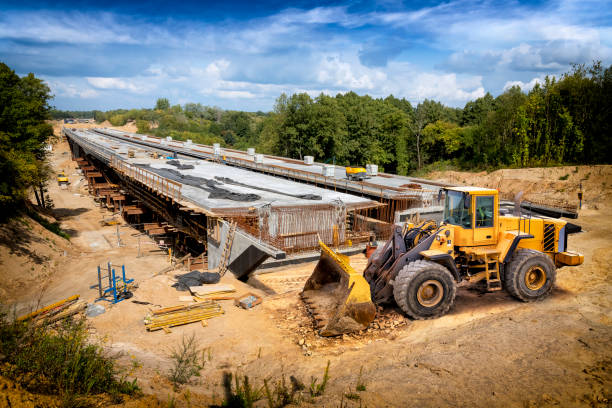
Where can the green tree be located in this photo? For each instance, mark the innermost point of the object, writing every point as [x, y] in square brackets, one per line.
[24, 108]
[162, 104]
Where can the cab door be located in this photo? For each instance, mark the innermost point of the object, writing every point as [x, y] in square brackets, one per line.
[485, 219]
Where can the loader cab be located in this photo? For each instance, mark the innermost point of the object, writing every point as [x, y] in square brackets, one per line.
[473, 211]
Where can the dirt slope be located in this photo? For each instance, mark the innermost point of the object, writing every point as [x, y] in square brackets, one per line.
[554, 184]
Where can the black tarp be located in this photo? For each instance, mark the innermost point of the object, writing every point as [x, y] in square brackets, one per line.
[195, 278]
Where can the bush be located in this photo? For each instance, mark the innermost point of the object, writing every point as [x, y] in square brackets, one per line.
[143, 126]
[118, 120]
[59, 360]
[186, 361]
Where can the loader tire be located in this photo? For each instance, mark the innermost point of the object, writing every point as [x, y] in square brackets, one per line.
[424, 289]
[530, 275]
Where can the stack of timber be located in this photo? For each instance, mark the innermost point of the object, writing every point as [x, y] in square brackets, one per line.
[217, 292]
[55, 312]
[183, 314]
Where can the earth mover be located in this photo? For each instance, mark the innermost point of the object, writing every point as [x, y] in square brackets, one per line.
[62, 178]
[356, 173]
[420, 266]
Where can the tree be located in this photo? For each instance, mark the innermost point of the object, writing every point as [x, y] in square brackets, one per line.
[24, 108]
[162, 104]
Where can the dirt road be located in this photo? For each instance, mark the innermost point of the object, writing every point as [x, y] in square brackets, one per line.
[490, 350]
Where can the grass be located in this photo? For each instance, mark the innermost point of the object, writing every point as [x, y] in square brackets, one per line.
[240, 392]
[360, 383]
[441, 165]
[319, 389]
[564, 177]
[243, 394]
[352, 396]
[280, 394]
[60, 360]
[186, 361]
[54, 227]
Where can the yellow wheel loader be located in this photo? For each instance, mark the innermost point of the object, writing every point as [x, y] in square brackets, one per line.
[62, 178]
[420, 266]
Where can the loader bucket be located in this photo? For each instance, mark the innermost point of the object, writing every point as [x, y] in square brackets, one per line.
[337, 296]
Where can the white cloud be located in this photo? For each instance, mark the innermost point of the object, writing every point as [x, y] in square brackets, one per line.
[67, 27]
[318, 50]
[71, 90]
[132, 84]
[342, 74]
[525, 86]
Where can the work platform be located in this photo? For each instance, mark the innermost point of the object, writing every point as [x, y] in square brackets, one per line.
[396, 192]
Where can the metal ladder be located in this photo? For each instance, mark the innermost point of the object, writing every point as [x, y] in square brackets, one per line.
[492, 275]
[227, 249]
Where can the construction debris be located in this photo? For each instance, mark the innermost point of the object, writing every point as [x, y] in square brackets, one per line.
[94, 310]
[183, 314]
[248, 300]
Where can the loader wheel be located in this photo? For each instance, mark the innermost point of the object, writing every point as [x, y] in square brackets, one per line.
[530, 275]
[424, 289]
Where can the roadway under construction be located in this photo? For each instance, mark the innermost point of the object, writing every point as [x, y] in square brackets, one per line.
[258, 206]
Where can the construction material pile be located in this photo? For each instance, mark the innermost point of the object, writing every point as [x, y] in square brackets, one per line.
[55, 312]
[184, 314]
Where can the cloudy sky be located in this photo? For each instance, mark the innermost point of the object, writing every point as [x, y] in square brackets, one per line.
[243, 55]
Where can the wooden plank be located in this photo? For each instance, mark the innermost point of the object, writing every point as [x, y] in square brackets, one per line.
[93, 174]
[88, 168]
[157, 231]
[136, 211]
[151, 226]
[298, 234]
[118, 197]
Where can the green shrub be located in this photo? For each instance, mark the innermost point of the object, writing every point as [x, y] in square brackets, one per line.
[59, 360]
[143, 126]
[118, 120]
[186, 361]
[564, 177]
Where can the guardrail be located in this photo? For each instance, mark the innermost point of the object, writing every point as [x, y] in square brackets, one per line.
[387, 192]
[167, 187]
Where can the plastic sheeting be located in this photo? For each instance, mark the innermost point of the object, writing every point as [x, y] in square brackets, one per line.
[195, 278]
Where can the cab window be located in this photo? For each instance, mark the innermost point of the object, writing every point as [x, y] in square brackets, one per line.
[457, 209]
[484, 211]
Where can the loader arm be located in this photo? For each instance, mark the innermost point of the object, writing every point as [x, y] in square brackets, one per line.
[384, 266]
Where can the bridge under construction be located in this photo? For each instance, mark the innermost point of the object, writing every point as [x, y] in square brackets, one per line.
[240, 208]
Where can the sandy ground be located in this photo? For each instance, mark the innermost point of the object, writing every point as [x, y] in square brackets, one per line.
[490, 350]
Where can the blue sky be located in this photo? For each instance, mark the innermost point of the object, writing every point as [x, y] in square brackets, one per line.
[244, 54]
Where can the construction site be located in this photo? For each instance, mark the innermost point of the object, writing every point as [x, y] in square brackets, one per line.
[171, 238]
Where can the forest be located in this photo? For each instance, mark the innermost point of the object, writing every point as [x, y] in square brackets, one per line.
[564, 120]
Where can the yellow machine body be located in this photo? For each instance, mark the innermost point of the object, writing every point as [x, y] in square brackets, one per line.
[481, 226]
[62, 178]
[356, 173]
